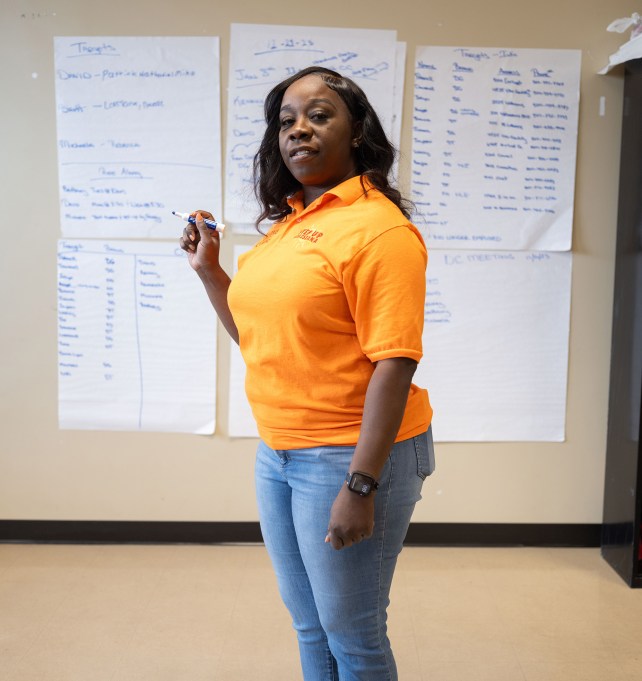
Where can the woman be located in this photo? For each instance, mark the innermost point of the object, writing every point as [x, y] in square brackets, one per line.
[328, 311]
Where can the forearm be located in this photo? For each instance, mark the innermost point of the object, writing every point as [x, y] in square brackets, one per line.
[384, 408]
[352, 516]
[216, 285]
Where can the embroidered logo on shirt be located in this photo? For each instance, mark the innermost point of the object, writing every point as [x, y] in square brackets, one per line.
[309, 235]
[272, 233]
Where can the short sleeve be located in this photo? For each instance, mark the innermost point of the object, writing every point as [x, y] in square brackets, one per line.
[385, 285]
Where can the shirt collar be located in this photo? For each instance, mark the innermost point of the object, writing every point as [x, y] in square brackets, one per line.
[347, 193]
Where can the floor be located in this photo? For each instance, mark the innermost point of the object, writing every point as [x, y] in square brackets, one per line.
[191, 613]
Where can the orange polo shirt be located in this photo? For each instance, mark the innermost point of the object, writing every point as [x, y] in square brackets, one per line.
[326, 293]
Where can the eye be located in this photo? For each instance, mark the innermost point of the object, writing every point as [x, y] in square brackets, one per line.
[318, 116]
[286, 122]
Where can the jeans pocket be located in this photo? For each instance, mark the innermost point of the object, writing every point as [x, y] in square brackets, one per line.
[425, 451]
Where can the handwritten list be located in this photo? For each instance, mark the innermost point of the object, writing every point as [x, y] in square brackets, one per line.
[138, 126]
[496, 343]
[263, 55]
[136, 339]
[494, 138]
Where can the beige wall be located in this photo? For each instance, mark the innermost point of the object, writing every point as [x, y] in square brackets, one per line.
[46, 473]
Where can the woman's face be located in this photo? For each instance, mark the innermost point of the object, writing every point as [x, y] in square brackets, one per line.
[316, 136]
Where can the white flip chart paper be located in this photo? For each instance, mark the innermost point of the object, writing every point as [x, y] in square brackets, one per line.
[139, 122]
[494, 141]
[496, 344]
[263, 55]
[136, 339]
[241, 422]
[495, 347]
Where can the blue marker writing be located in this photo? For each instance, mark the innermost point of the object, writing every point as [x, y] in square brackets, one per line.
[212, 224]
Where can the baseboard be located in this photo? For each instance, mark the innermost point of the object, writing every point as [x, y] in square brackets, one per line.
[419, 534]
[503, 534]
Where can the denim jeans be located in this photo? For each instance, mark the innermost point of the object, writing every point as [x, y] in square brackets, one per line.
[338, 600]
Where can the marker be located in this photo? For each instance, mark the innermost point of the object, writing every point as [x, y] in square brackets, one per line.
[212, 224]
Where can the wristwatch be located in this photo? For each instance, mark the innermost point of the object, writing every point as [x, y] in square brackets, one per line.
[361, 483]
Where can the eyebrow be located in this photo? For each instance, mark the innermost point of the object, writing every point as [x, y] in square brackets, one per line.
[312, 102]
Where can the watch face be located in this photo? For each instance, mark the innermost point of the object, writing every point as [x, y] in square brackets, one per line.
[360, 484]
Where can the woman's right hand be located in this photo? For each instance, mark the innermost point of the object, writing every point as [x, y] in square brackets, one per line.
[202, 246]
[201, 243]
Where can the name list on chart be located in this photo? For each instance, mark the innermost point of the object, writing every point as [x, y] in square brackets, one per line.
[124, 314]
[494, 142]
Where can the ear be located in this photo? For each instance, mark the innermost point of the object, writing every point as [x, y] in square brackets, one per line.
[357, 134]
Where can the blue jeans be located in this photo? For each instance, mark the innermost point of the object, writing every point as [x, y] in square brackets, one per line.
[337, 599]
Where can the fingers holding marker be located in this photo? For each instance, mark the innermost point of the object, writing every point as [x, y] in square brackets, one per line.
[203, 231]
[201, 241]
[207, 218]
[202, 226]
[189, 240]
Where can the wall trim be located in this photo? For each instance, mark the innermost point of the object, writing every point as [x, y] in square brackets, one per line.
[187, 532]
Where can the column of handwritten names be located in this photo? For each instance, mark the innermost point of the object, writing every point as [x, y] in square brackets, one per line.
[494, 135]
[125, 317]
[96, 315]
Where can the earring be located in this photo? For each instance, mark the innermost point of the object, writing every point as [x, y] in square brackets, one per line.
[355, 143]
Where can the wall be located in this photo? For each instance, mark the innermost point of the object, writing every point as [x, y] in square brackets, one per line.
[48, 474]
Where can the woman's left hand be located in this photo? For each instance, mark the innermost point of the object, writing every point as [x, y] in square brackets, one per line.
[351, 519]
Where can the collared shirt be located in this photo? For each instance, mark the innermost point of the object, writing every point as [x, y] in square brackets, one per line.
[326, 293]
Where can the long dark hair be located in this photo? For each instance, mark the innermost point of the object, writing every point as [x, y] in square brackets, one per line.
[374, 156]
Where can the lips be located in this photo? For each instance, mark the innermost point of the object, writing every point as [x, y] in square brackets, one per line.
[302, 152]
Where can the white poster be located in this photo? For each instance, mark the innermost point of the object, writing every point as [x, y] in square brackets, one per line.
[241, 422]
[262, 56]
[139, 133]
[496, 345]
[494, 140]
[136, 339]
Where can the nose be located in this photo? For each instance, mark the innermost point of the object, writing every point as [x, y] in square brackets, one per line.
[300, 129]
